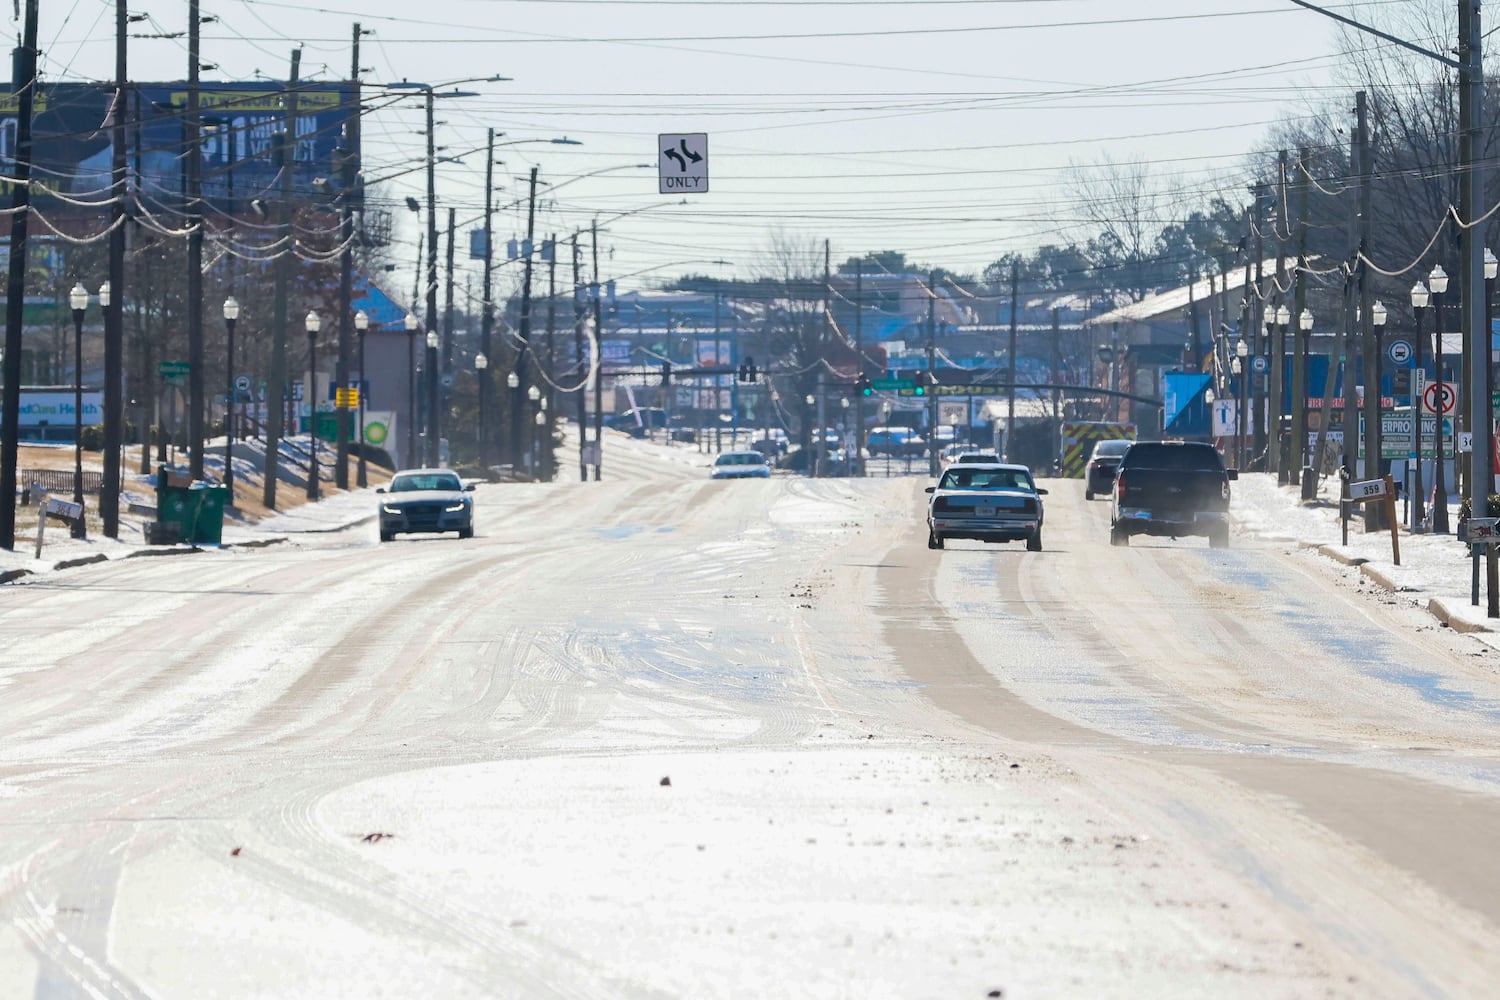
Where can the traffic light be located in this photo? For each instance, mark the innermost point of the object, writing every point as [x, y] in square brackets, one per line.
[747, 370]
[864, 386]
[666, 373]
[920, 382]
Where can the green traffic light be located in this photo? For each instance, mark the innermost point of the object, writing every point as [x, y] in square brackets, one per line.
[920, 390]
[867, 391]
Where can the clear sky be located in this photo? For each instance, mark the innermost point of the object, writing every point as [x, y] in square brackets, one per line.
[941, 128]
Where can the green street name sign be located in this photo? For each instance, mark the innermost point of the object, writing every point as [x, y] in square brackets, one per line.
[892, 384]
[174, 372]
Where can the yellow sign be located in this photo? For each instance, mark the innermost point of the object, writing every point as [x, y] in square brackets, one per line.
[258, 101]
[347, 398]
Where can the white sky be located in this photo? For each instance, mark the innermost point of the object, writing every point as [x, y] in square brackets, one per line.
[941, 128]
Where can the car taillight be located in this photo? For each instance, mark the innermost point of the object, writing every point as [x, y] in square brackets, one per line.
[1120, 485]
[1029, 506]
[940, 504]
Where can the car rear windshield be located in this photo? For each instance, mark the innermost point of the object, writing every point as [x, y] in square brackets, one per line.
[1111, 448]
[1180, 457]
[984, 479]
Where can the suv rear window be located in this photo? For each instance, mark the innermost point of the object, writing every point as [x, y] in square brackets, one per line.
[1183, 457]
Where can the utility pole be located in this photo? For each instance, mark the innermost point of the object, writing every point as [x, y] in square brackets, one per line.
[518, 396]
[1369, 344]
[1278, 335]
[350, 189]
[1298, 451]
[448, 298]
[277, 389]
[1010, 394]
[1481, 476]
[23, 85]
[192, 126]
[1249, 322]
[581, 363]
[432, 429]
[114, 313]
[859, 351]
[1262, 336]
[598, 373]
[1193, 331]
[1352, 413]
[487, 309]
[551, 256]
[820, 453]
[932, 451]
[1056, 383]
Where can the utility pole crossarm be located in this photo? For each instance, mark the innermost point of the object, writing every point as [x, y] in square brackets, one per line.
[1448, 61]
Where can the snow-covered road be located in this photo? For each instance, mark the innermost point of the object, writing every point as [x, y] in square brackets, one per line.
[665, 737]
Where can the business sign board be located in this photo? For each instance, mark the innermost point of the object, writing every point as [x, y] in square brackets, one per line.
[55, 408]
[73, 149]
[1396, 438]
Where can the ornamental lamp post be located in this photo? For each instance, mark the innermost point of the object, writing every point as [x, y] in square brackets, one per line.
[1283, 321]
[512, 383]
[481, 374]
[78, 298]
[1419, 299]
[231, 313]
[362, 327]
[1437, 280]
[312, 324]
[1241, 368]
[1304, 469]
[533, 393]
[434, 435]
[412, 325]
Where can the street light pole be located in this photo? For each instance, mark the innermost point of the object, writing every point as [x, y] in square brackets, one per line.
[533, 394]
[78, 298]
[1437, 280]
[312, 324]
[481, 375]
[1419, 300]
[434, 458]
[1241, 368]
[361, 327]
[231, 313]
[412, 324]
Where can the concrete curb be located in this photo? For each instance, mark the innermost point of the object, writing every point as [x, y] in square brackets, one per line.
[1383, 577]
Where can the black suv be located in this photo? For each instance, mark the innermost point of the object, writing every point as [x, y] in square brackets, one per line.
[1171, 490]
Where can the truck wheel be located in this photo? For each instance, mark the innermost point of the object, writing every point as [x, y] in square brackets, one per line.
[934, 540]
[1218, 538]
[1088, 494]
[1118, 536]
[1034, 542]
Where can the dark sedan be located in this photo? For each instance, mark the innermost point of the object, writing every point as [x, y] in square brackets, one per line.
[1099, 475]
[426, 500]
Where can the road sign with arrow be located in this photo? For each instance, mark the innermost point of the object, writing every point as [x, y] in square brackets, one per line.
[682, 162]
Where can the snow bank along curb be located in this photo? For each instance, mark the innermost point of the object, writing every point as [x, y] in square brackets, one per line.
[1385, 576]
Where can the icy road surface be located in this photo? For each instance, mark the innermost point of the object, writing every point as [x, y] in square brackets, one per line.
[665, 737]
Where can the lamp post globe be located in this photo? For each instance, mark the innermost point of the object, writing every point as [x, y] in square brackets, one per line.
[512, 381]
[78, 298]
[362, 327]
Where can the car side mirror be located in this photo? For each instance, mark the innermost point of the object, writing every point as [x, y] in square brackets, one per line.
[1232, 473]
[470, 487]
[380, 489]
[1040, 491]
[930, 489]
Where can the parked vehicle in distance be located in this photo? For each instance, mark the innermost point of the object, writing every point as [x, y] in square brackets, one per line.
[741, 465]
[987, 502]
[772, 443]
[1099, 474]
[637, 422]
[1172, 490]
[427, 501]
[894, 441]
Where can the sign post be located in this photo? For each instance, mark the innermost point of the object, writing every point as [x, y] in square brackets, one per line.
[1384, 489]
[1485, 531]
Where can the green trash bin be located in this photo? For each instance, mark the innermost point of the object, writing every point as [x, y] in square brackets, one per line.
[196, 511]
